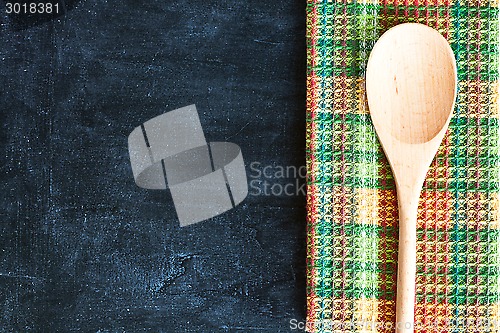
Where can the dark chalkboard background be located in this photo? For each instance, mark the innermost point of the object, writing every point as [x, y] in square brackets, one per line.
[82, 248]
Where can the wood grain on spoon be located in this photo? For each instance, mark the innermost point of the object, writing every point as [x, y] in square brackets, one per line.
[411, 81]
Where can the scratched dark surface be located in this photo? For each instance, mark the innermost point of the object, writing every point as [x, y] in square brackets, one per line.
[82, 248]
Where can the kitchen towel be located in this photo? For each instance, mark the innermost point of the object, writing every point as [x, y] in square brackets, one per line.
[352, 209]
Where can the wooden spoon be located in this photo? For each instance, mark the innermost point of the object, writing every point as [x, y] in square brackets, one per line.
[411, 80]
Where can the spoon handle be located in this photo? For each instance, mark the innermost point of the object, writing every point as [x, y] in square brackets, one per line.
[405, 297]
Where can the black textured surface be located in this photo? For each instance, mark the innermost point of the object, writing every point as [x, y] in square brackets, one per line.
[82, 248]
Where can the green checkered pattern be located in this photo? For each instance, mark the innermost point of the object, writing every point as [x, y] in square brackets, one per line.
[352, 207]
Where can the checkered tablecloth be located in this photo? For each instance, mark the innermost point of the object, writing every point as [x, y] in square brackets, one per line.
[352, 208]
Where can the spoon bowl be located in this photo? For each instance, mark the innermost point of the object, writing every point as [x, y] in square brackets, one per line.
[411, 81]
